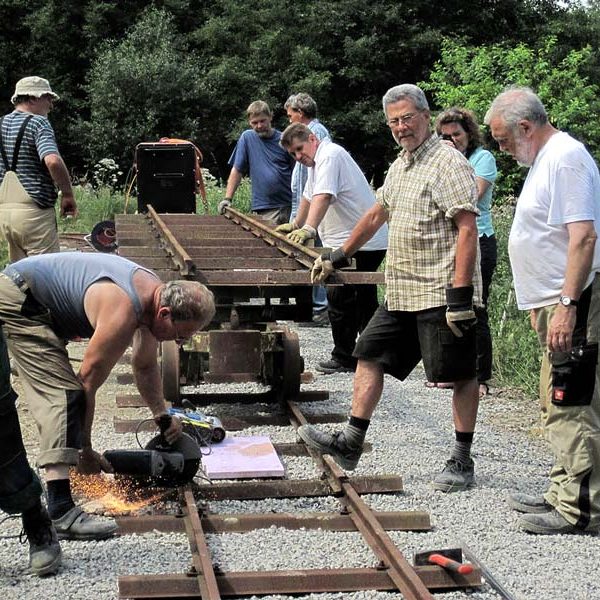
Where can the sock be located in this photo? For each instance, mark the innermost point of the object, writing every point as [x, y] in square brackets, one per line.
[60, 500]
[462, 446]
[355, 431]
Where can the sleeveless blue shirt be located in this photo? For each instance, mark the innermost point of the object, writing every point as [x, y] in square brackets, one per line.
[59, 282]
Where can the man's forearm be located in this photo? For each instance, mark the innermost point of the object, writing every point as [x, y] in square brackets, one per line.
[318, 208]
[235, 177]
[59, 173]
[466, 255]
[580, 256]
[365, 229]
[149, 385]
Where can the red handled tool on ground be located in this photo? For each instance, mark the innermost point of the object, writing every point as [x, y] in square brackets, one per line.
[448, 558]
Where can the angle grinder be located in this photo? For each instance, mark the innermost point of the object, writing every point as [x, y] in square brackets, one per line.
[159, 463]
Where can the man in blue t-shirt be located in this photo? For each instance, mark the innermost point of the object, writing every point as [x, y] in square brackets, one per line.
[259, 155]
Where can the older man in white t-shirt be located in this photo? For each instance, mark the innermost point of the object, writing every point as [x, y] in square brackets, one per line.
[335, 197]
[555, 261]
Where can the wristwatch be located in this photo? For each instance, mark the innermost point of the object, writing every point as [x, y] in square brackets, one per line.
[568, 301]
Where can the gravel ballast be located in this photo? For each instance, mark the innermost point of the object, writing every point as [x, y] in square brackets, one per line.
[412, 436]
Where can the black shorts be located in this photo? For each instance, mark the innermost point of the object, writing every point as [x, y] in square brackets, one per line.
[397, 340]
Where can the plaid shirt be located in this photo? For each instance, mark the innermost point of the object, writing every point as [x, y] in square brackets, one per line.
[422, 192]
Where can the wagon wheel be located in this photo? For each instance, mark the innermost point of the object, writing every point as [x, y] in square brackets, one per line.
[291, 366]
[170, 372]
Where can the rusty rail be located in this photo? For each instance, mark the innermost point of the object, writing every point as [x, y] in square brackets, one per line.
[179, 256]
[393, 572]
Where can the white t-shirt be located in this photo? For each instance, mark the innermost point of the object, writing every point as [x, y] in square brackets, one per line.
[562, 186]
[336, 173]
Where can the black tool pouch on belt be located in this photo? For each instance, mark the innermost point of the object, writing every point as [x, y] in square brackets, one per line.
[574, 375]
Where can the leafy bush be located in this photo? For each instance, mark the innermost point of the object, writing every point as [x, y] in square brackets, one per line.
[472, 77]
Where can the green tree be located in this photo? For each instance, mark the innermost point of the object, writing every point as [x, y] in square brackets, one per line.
[141, 89]
[472, 76]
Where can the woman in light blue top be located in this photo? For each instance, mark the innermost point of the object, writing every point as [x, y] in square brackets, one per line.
[459, 126]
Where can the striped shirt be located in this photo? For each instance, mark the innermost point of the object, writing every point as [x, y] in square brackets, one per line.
[422, 192]
[38, 142]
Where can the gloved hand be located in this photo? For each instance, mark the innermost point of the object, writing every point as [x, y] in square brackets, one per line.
[223, 205]
[326, 264]
[460, 315]
[91, 462]
[170, 427]
[301, 236]
[286, 228]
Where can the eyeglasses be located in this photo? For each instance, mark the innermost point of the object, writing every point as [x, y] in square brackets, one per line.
[404, 119]
[178, 338]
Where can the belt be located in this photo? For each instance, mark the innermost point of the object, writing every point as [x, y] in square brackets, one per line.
[16, 278]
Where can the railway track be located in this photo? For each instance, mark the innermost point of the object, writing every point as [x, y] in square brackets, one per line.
[249, 267]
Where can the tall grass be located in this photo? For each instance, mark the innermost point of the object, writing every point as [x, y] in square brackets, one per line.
[516, 349]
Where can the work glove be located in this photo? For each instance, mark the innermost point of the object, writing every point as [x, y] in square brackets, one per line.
[460, 315]
[91, 462]
[286, 228]
[326, 264]
[223, 205]
[170, 427]
[301, 236]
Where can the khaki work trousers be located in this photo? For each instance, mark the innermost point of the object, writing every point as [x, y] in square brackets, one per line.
[53, 393]
[27, 228]
[573, 433]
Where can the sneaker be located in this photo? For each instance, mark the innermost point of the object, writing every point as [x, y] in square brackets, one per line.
[331, 443]
[551, 523]
[455, 477]
[45, 554]
[320, 319]
[76, 524]
[333, 366]
[527, 503]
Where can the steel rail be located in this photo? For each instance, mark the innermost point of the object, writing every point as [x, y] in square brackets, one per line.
[399, 569]
[487, 574]
[178, 254]
[201, 560]
[302, 254]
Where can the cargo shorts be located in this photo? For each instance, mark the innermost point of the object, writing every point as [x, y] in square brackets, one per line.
[397, 340]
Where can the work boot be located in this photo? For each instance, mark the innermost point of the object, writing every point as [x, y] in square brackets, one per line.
[456, 476]
[76, 524]
[319, 319]
[331, 443]
[527, 503]
[550, 523]
[333, 366]
[45, 554]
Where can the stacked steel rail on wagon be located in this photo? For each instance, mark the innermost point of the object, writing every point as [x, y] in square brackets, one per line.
[258, 277]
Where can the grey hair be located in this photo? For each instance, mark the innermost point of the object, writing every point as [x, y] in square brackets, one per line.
[406, 91]
[517, 103]
[302, 102]
[188, 301]
[295, 131]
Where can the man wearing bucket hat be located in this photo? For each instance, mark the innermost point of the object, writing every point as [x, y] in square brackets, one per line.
[31, 169]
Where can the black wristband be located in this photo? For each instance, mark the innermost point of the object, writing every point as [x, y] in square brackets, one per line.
[457, 297]
[338, 258]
